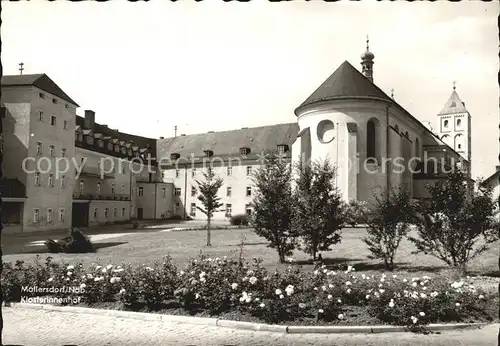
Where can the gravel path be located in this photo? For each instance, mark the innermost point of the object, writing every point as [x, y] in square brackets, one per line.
[29, 327]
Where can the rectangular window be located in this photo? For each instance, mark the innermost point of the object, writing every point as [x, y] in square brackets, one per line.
[66, 106]
[229, 210]
[113, 188]
[193, 209]
[63, 183]
[41, 95]
[36, 215]
[106, 211]
[228, 191]
[163, 174]
[63, 152]
[51, 150]
[53, 120]
[39, 148]
[122, 189]
[249, 170]
[37, 178]
[140, 191]
[54, 101]
[123, 212]
[61, 214]
[229, 170]
[248, 209]
[177, 173]
[193, 191]
[281, 149]
[164, 192]
[249, 191]
[177, 208]
[81, 187]
[193, 172]
[40, 116]
[114, 213]
[65, 124]
[51, 180]
[177, 191]
[49, 215]
[98, 189]
[96, 213]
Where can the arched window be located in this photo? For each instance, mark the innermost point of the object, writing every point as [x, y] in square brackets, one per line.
[459, 122]
[446, 123]
[458, 142]
[371, 139]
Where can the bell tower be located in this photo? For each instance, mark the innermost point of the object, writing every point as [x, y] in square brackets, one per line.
[367, 61]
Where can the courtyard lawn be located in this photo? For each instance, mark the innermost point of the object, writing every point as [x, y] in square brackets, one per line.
[144, 247]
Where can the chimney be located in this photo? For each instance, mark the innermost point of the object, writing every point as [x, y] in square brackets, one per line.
[162, 137]
[210, 131]
[88, 123]
[498, 168]
[183, 135]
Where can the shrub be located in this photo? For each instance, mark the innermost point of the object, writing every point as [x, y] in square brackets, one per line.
[389, 223]
[356, 212]
[239, 220]
[456, 224]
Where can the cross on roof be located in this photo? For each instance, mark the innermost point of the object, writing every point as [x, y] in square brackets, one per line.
[454, 85]
[392, 93]
[21, 69]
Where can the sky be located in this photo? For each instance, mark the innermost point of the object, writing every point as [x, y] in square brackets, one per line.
[210, 66]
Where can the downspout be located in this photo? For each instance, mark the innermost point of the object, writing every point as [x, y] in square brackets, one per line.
[185, 191]
[388, 176]
[156, 198]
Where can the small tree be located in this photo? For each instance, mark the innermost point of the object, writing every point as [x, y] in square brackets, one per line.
[456, 224]
[389, 222]
[272, 206]
[318, 214]
[209, 189]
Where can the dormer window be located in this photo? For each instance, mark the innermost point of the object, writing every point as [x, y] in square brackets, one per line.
[100, 143]
[175, 156]
[282, 148]
[129, 152]
[209, 153]
[124, 151]
[244, 151]
[110, 146]
[90, 140]
[79, 137]
[117, 148]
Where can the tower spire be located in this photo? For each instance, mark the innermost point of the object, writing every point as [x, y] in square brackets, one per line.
[367, 61]
[454, 85]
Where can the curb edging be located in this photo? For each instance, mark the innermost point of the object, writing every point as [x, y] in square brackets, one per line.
[262, 327]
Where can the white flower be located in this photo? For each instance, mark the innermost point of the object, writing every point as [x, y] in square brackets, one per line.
[119, 270]
[381, 290]
[83, 286]
[421, 313]
[278, 292]
[114, 279]
[382, 280]
[202, 279]
[253, 280]
[414, 319]
[257, 299]
[70, 267]
[424, 288]
[330, 297]
[282, 296]
[340, 316]
[404, 280]
[348, 291]
[196, 296]
[394, 276]
[457, 304]
[50, 279]
[181, 272]
[348, 283]
[289, 290]
[321, 311]
[98, 267]
[250, 273]
[323, 288]
[103, 270]
[339, 300]
[202, 274]
[234, 286]
[457, 284]
[315, 272]
[481, 296]
[122, 291]
[414, 284]
[330, 285]
[109, 266]
[149, 269]
[262, 305]
[391, 303]
[367, 296]
[434, 294]
[425, 277]
[302, 305]
[67, 279]
[423, 295]
[69, 273]
[315, 288]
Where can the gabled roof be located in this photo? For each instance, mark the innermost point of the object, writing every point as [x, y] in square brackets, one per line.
[345, 82]
[228, 143]
[41, 81]
[454, 105]
[492, 179]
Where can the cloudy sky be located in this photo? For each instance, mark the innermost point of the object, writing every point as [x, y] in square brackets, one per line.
[146, 67]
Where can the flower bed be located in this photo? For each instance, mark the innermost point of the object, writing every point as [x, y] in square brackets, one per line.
[246, 291]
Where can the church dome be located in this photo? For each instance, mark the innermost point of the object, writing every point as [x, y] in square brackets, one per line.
[367, 55]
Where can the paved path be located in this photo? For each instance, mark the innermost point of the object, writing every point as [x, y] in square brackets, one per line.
[36, 328]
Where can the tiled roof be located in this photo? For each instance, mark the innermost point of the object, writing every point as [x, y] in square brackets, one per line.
[454, 105]
[492, 179]
[12, 188]
[41, 81]
[345, 82]
[228, 143]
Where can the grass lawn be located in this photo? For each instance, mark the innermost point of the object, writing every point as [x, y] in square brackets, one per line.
[148, 246]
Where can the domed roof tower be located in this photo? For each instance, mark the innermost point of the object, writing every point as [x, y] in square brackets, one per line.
[367, 61]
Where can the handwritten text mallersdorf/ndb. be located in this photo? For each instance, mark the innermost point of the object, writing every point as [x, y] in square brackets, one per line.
[53, 289]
